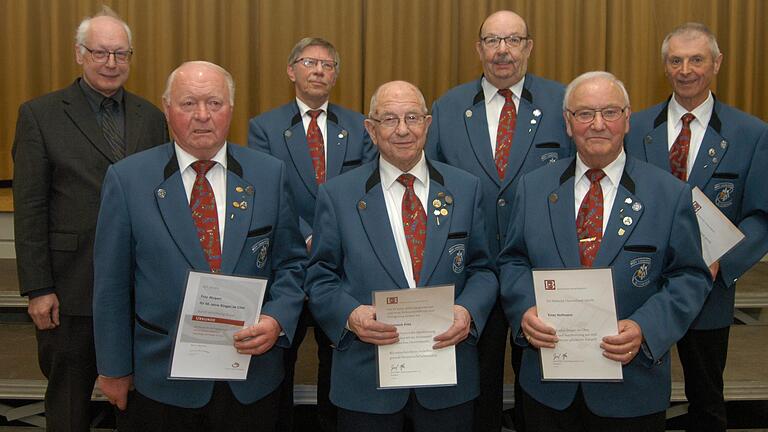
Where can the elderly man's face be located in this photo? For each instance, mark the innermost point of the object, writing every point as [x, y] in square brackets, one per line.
[690, 68]
[104, 34]
[400, 145]
[313, 84]
[199, 111]
[598, 142]
[504, 65]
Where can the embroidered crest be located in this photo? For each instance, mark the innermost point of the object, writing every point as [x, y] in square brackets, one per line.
[457, 251]
[724, 196]
[642, 267]
[550, 157]
[261, 249]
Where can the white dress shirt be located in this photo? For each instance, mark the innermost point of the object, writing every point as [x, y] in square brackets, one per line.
[609, 184]
[322, 122]
[217, 177]
[675, 113]
[393, 197]
[494, 102]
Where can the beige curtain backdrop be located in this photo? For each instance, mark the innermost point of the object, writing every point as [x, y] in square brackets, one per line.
[428, 42]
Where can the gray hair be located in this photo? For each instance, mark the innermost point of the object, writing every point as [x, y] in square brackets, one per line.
[227, 77]
[85, 25]
[314, 41]
[691, 29]
[374, 99]
[589, 76]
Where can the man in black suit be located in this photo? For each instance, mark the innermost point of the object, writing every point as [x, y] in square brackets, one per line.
[64, 143]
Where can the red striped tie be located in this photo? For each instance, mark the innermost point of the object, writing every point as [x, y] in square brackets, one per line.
[315, 144]
[678, 154]
[505, 133]
[204, 213]
[414, 224]
[589, 221]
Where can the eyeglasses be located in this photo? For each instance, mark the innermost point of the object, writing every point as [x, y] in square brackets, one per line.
[102, 56]
[609, 114]
[511, 41]
[311, 63]
[392, 121]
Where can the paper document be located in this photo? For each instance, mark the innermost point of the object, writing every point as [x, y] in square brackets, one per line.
[718, 234]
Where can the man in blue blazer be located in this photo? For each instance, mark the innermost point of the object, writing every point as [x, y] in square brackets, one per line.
[645, 230]
[148, 237]
[468, 131]
[725, 152]
[364, 243]
[289, 133]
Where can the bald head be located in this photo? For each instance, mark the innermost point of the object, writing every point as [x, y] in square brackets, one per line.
[504, 47]
[506, 18]
[397, 90]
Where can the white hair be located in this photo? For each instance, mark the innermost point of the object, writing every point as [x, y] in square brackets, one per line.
[227, 77]
[85, 25]
[589, 76]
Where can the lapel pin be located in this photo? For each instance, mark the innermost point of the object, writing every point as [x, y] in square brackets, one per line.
[627, 220]
[249, 190]
[711, 152]
[530, 130]
[440, 194]
[231, 216]
[621, 231]
[553, 198]
[723, 144]
[361, 205]
[648, 139]
[161, 193]
[437, 204]
[287, 134]
[448, 199]
[714, 160]
[536, 112]
[243, 205]
[236, 204]
[468, 113]
[343, 133]
[437, 212]
[628, 200]
[443, 212]
[533, 121]
[239, 189]
[637, 206]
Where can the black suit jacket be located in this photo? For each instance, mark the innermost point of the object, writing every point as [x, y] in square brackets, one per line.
[60, 159]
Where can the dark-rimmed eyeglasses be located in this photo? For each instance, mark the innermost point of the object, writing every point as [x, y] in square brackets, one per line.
[392, 121]
[511, 41]
[587, 115]
[102, 56]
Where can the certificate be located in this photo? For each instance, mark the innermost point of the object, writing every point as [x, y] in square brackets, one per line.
[718, 234]
[419, 314]
[215, 307]
[580, 305]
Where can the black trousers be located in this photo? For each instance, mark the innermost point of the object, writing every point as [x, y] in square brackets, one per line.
[491, 349]
[703, 354]
[223, 413]
[578, 418]
[452, 419]
[326, 411]
[67, 358]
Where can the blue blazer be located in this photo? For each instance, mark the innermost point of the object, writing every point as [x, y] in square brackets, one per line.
[659, 277]
[280, 132]
[730, 170]
[354, 254]
[146, 242]
[458, 136]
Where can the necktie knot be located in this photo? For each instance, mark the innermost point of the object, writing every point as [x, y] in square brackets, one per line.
[507, 93]
[687, 119]
[406, 180]
[595, 175]
[202, 167]
[314, 113]
[108, 104]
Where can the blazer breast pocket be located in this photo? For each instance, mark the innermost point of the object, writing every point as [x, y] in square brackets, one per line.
[351, 164]
[644, 264]
[456, 248]
[258, 245]
[548, 152]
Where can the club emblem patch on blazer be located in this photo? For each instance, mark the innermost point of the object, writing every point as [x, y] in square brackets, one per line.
[261, 249]
[550, 157]
[724, 196]
[457, 252]
[642, 267]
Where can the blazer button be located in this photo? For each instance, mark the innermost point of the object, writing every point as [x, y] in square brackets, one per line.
[501, 202]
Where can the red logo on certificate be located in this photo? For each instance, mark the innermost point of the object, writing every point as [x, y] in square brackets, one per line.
[549, 285]
[391, 300]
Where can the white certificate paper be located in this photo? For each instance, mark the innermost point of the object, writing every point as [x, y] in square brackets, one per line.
[718, 234]
[419, 314]
[580, 305]
[215, 307]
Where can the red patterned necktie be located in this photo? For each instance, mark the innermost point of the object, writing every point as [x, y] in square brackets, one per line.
[505, 133]
[678, 154]
[414, 224]
[589, 222]
[315, 144]
[204, 213]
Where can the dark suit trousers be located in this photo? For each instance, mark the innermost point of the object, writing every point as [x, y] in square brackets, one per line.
[223, 413]
[452, 419]
[67, 358]
[578, 418]
[491, 349]
[703, 354]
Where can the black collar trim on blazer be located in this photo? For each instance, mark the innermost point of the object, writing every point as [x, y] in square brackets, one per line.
[625, 181]
[375, 178]
[526, 94]
[173, 165]
[331, 116]
[714, 121]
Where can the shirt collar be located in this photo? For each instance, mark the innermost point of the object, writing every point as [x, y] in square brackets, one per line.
[303, 108]
[613, 171]
[490, 92]
[185, 159]
[389, 173]
[94, 98]
[701, 112]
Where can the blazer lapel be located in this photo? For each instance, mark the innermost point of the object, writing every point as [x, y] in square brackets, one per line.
[335, 145]
[134, 124]
[296, 141]
[711, 152]
[475, 121]
[239, 218]
[174, 208]
[438, 225]
[563, 219]
[373, 214]
[78, 110]
[623, 219]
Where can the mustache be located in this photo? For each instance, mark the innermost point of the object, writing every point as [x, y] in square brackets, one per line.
[502, 58]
